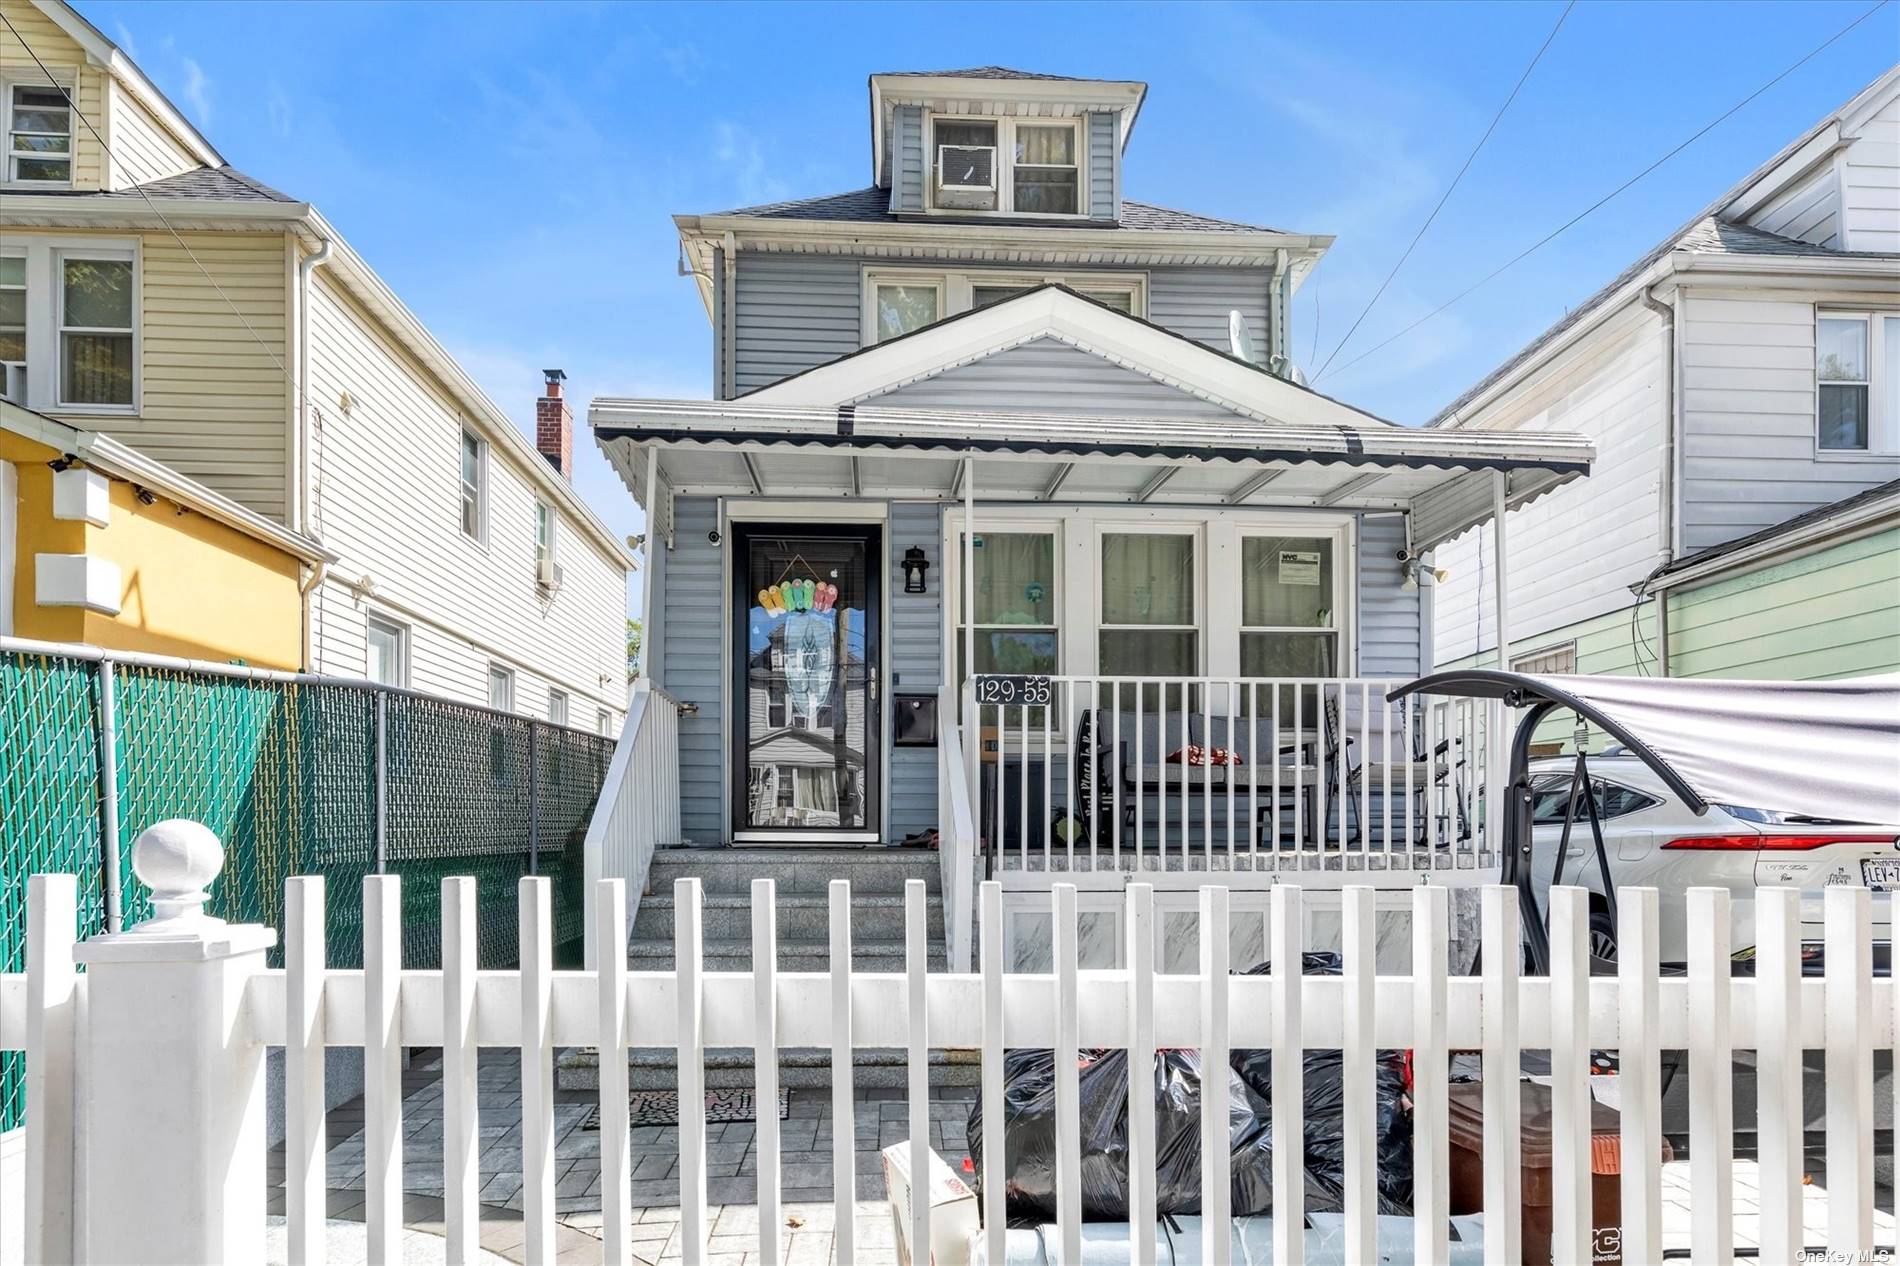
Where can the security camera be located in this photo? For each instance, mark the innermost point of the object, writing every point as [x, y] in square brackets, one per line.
[713, 536]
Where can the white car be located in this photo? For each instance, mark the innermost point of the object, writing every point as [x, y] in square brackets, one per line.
[1652, 840]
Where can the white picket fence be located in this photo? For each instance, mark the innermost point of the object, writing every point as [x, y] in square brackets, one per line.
[145, 1083]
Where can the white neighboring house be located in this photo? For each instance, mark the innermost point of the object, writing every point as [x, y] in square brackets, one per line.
[1744, 372]
[228, 330]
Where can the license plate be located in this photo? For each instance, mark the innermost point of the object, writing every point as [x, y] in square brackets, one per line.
[1880, 872]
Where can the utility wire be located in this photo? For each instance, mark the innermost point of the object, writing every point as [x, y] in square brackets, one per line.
[1446, 196]
[150, 205]
[1574, 220]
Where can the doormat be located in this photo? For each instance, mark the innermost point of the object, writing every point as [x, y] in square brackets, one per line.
[662, 1107]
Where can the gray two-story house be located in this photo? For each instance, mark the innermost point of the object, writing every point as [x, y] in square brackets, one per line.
[1009, 527]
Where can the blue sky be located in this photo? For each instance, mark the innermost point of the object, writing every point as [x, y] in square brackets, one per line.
[511, 169]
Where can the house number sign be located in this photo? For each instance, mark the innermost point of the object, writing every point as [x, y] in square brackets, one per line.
[1008, 691]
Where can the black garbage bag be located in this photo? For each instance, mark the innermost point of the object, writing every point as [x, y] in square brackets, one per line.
[1030, 1136]
[1029, 1133]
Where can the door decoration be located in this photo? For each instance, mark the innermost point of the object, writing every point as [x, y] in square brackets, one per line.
[798, 595]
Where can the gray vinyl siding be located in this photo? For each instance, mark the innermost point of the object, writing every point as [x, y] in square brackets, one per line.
[1195, 302]
[1749, 459]
[908, 166]
[1810, 211]
[1391, 631]
[1050, 376]
[692, 660]
[1103, 205]
[914, 646]
[796, 312]
[1870, 183]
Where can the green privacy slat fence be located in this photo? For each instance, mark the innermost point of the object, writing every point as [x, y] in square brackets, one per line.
[286, 770]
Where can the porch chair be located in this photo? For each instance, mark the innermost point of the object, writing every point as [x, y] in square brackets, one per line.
[1417, 776]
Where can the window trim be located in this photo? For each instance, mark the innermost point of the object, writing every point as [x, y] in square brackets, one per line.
[1198, 535]
[403, 635]
[54, 356]
[66, 81]
[1006, 125]
[544, 512]
[481, 486]
[956, 288]
[1883, 424]
[558, 695]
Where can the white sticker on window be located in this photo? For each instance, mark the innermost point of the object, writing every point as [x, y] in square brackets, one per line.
[1299, 567]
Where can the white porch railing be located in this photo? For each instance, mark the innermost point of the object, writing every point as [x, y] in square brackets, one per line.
[957, 845]
[639, 805]
[1265, 775]
[166, 1031]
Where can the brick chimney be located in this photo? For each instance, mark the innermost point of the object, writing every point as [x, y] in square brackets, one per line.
[554, 425]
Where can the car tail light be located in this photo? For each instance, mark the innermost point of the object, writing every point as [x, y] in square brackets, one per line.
[1773, 843]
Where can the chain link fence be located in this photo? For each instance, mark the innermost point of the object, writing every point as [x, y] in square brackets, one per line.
[297, 775]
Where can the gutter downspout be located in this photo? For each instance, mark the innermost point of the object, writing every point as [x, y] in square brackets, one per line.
[301, 481]
[1669, 521]
[728, 353]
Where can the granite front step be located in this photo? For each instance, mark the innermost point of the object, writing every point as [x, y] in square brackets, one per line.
[732, 1069]
[802, 954]
[801, 916]
[808, 870]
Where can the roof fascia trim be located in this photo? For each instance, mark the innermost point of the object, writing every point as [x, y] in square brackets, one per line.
[1833, 530]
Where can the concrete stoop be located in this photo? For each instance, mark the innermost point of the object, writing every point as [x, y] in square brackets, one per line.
[803, 878]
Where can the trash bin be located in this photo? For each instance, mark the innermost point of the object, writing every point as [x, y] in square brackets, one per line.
[1466, 1116]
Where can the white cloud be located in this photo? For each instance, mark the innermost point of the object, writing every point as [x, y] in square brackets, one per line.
[739, 151]
[124, 37]
[197, 91]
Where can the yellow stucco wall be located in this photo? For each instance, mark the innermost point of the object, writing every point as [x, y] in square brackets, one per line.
[190, 585]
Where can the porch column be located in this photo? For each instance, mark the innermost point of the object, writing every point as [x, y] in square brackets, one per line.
[647, 623]
[1498, 498]
[972, 728]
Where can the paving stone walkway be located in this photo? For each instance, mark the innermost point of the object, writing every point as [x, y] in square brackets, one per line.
[880, 1118]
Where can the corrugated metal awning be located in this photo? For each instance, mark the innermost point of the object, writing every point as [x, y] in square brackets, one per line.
[735, 448]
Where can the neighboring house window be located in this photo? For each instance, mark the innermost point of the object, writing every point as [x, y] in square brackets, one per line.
[1289, 619]
[13, 328]
[1046, 178]
[1547, 662]
[604, 722]
[388, 652]
[899, 300]
[964, 170]
[1857, 387]
[39, 135]
[1017, 600]
[474, 486]
[557, 706]
[96, 334]
[1150, 612]
[547, 571]
[501, 688]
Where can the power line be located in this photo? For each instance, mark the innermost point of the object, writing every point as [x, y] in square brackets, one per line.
[150, 205]
[1446, 196]
[1574, 220]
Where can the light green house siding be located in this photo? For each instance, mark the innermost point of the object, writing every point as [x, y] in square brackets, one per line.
[1832, 613]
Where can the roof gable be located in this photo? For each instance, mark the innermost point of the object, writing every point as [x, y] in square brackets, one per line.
[1053, 377]
[1057, 315]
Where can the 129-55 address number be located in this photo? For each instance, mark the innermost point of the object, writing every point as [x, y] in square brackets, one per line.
[1008, 691]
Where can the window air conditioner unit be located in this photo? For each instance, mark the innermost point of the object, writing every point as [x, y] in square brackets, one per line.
[13, 383]
[548, 575]
[970, 167]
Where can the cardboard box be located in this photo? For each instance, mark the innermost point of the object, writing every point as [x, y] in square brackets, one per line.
[953, 1215]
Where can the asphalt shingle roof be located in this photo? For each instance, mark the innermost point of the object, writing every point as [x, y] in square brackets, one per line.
[214, 184]
[871, 205]
[1783, 528]
[984, 72]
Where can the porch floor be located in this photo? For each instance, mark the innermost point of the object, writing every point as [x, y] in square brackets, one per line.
[881, 1119]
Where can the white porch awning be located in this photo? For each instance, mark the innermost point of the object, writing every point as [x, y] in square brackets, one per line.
[1443, 478]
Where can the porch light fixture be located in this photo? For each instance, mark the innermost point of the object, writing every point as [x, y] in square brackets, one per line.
[915, 565]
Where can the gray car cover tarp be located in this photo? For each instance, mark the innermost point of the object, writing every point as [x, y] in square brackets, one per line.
[1823, 749]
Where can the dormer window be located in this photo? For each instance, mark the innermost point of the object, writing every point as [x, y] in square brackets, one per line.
[1017, 166]
[1047, 180]
[966, 165]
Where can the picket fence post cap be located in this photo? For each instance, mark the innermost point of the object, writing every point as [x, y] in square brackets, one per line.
[177, 859]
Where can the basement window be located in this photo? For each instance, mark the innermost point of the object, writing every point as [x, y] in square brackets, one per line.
[39, 135]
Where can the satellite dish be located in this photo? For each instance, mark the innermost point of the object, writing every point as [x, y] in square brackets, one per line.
[1239, 338]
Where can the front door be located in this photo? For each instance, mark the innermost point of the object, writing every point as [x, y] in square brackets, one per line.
[806, 737]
